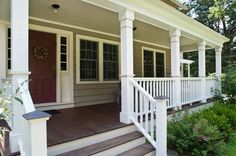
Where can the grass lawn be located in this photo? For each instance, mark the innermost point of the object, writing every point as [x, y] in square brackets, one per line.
[231, 145]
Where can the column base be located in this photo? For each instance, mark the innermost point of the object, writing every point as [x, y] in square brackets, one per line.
[14, 147]
[125, 117]
[204, 100]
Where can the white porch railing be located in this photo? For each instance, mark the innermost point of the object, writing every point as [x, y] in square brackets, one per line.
[159, 87]
[190, 90]
[149, 114]
[210, 87]
[150, 117]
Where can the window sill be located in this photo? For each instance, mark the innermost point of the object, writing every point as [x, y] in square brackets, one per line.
[97, 82]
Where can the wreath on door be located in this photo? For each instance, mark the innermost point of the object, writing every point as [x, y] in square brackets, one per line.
[40, 53]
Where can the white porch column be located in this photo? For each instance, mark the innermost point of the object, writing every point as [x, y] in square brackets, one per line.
[3, 57]
[182, 65]
[175, 65]
[126, 29]
[202, 68]
[218, 51]
[19, 48]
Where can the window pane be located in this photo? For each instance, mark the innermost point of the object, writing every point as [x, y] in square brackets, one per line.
[160, 65]
[63, 49]
[63, 40]
[148, 63]
[63, 66]
[88, 60]
[63, 58]
[110, 64]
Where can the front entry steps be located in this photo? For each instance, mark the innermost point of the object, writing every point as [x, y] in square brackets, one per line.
[126, 141]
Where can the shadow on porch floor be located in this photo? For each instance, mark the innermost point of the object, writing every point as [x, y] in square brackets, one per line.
[75, 123]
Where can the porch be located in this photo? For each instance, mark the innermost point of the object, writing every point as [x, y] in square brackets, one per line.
[80, 123]
[75, 123]
[141, 50]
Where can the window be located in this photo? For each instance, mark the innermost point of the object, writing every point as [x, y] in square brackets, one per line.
[97, 60]
[88, 60]
[9, 48]
[153, 63]
[160, 65]
[110, 62]
[148, 63]
[64, 53]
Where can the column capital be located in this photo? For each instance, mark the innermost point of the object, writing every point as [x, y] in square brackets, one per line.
[202, 43]
[175, 33]
[218, 50]
[126, 14]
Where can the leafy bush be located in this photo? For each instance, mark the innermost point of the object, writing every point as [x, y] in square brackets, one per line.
[204, 132]
[226, 110]
[189, 137]
[229, 83]
[220, 121]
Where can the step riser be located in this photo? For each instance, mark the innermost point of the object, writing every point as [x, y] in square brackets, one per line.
[151, 154]
[121, 148]
[80, 143]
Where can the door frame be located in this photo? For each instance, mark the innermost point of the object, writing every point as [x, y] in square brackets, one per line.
[59, 33]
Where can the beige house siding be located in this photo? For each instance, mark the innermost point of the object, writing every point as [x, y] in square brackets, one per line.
[98, 93]
[88, 94]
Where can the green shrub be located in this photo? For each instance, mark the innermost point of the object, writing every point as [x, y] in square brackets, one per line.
[204, 132]
[220, 121]
[226, 110]
[194, 137]
[229, 83]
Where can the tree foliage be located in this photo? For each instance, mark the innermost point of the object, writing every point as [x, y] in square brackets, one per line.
[219, 15]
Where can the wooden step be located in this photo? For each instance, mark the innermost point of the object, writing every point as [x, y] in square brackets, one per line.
[140, 150]
[87, 141]
[107, 147]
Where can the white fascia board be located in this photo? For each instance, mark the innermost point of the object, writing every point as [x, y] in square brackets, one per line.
[182, 6]
[159, 11]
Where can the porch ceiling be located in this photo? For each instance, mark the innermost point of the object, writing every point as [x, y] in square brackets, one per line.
[82, 14]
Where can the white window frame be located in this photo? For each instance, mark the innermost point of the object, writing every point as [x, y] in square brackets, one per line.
[67, 51]
[100, 59]
[154, 59]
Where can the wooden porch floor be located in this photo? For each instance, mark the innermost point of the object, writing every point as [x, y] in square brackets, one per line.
[75, 123]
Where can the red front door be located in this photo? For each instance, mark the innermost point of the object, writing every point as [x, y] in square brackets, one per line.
[42, 64]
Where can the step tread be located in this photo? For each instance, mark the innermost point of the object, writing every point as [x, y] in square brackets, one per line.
[139, 150]
[104, 145]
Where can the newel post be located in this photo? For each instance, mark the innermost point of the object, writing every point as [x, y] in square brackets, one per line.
[37, 138]
[161, 126]
[175, 65]
[202, 68]
[126, 18]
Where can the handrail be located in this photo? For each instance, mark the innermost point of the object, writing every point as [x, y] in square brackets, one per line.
[25, 96]
[149, 115]
[151, 78]
[143, 91]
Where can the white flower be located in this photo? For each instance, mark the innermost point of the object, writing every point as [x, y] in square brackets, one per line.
[1, 110]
